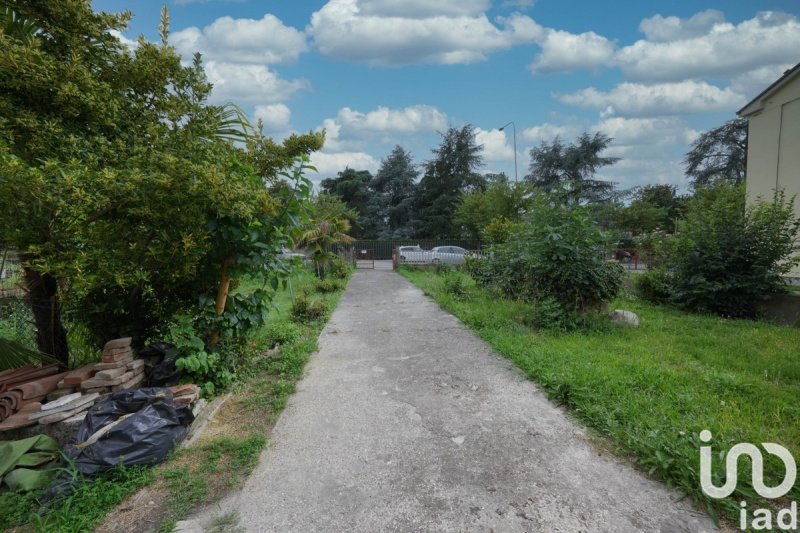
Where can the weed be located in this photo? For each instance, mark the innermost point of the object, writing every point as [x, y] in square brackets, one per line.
[305, 309]
[276, 333]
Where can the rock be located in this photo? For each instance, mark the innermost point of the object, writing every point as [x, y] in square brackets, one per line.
[626, 318]
[118, 343]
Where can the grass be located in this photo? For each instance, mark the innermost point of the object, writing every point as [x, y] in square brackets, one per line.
[651, 390]
[204, 472]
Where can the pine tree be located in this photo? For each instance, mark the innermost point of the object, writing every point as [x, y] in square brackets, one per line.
[390, 211]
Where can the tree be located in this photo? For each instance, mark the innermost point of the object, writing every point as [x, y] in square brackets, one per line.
[452, 173]
[653, 207]
[569, 169]
[726, 255]
[320, 236]
[500, 200]
[390, 210]
[119, 185]
[352, 186]
[719, 154]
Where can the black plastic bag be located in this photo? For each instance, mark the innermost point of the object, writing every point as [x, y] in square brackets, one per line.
[159, 364]
[145, 437]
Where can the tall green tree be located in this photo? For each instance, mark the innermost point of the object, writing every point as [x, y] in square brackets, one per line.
[390, 210]
[652, 207]
[569, 169]
[352, 186]
[452, 173]
[500, 200]
[719, 154]
[119, 185]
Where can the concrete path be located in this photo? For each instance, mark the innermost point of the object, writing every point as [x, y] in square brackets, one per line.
[406, 421]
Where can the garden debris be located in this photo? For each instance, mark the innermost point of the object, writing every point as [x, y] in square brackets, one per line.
[26, 386]
[160, 369]
[76, 377]
[117, 350]
[185, 394]
[145, 437]
[128, 376]
[62, 412]
[28, 464]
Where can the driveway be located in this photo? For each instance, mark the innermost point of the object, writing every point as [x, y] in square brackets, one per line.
[406, 421]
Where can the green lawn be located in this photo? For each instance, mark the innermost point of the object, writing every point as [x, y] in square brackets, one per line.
[652, 389]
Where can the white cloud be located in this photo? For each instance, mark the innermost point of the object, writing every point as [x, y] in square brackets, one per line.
[637, 132]
[351, 128]
[548, 132]
[249, 83]
[753, 82]
[724, 50]
[384, 33]
[407, 120]
[130, 44]
[564, 52]
[328, 164]
[495, 143]
[634, 99]
[264, 41]
[423, 8]
[664, 29]
[276, 117]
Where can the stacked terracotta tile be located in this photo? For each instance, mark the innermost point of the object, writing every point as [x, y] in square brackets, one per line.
[22, 392]
[118, 370]
[185, 394]
[71, 382]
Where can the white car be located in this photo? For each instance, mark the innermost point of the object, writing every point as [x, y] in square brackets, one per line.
[412, 254]
[450, 255]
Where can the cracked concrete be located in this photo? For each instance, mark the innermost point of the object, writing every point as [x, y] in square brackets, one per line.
[406, 421]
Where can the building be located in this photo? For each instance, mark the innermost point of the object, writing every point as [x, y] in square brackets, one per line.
[773, 146]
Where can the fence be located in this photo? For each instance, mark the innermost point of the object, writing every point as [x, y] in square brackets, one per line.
[375, 250]
[10, 275]
[630, 258]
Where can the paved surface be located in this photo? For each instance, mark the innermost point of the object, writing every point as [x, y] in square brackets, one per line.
[407, 422]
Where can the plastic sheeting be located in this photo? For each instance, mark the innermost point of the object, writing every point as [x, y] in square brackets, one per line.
[146, 427]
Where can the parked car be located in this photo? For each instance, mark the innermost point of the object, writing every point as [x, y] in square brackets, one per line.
[412, 254]
[450, 255]
[288, 254]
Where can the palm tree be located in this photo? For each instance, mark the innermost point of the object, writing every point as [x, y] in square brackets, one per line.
[320, 237]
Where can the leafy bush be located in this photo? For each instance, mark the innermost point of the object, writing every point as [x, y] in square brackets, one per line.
[442, 268]
[653, 285]
[328, 285]
[555, 256]
[281, 333]
[305, 309]
[455, 284]
[212, 370]
[339, 269]
[725, 255]
[16, 322]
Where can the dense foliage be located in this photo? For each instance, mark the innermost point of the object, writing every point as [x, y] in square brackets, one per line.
[555, 257]
[719, 154]
[725, 256]
[121, 187]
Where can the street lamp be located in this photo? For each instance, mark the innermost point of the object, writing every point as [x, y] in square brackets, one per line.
[514, 129]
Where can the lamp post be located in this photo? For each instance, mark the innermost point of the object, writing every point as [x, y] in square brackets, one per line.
[514, 129]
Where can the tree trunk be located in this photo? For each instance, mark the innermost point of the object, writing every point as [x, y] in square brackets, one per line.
[222, 293]
[51, 337]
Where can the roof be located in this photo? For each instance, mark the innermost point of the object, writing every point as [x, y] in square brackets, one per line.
[757, 103]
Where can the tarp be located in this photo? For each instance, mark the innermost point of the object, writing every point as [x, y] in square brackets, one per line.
[28, 464]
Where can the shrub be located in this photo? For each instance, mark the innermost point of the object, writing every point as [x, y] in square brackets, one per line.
[339, 269]
[455, 284]
[328, 285]
[558, 254]
[725, 255]
[442, 268]
[281, 333]
[652, 285]
[305, 309]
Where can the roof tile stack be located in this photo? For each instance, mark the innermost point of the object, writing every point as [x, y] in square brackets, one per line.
[23, 390]
[118, 371]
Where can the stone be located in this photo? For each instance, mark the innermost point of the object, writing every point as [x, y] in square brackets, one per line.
[95, 383]
[66, 411]
[60, 393]
[124, 342]
[117, 356]
[131, 384]
[111, 373]
[136, 364]
[115, 352]
[115, 364]
[626, 318]
[61, 401]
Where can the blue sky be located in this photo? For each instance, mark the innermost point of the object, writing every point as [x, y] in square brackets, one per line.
[375, 73]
